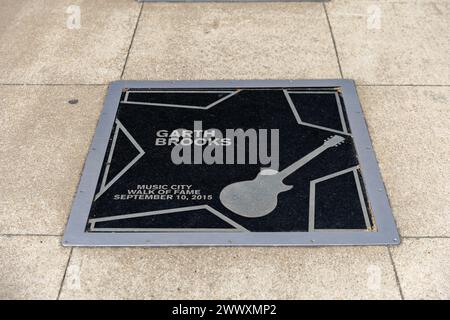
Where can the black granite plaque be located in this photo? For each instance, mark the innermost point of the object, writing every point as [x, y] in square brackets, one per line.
[229, 164]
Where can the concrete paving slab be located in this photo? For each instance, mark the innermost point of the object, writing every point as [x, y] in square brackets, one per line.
[41, 159]
[410, 130]
[232, 41]
[43, 146]
[42, 43]
[423, 268]
[392, 41]
[31, 267]
[231, 273]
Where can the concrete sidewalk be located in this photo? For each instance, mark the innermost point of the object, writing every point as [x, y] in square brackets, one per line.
[397, 51]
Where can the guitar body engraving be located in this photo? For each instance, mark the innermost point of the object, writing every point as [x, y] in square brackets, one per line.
[253, 198]
[259, 197]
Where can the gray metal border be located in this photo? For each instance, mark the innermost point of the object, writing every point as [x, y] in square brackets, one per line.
[385, 233]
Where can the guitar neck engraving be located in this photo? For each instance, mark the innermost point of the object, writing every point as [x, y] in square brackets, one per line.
[300, 163]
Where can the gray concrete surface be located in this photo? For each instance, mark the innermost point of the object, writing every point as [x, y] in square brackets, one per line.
[232, 41]
[399, 61]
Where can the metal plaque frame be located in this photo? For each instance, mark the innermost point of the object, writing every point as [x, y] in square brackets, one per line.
[385, 233]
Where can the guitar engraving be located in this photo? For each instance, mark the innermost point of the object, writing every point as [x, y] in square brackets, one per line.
[259, 197]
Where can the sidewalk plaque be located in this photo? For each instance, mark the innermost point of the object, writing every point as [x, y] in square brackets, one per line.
[231, 163]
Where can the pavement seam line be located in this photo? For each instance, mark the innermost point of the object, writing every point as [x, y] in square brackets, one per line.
[334, 41]
[402, 85]
[132, 40]
[397, 279]
[64, 276]
[54, 84]
[29, 235]
[426, 237]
